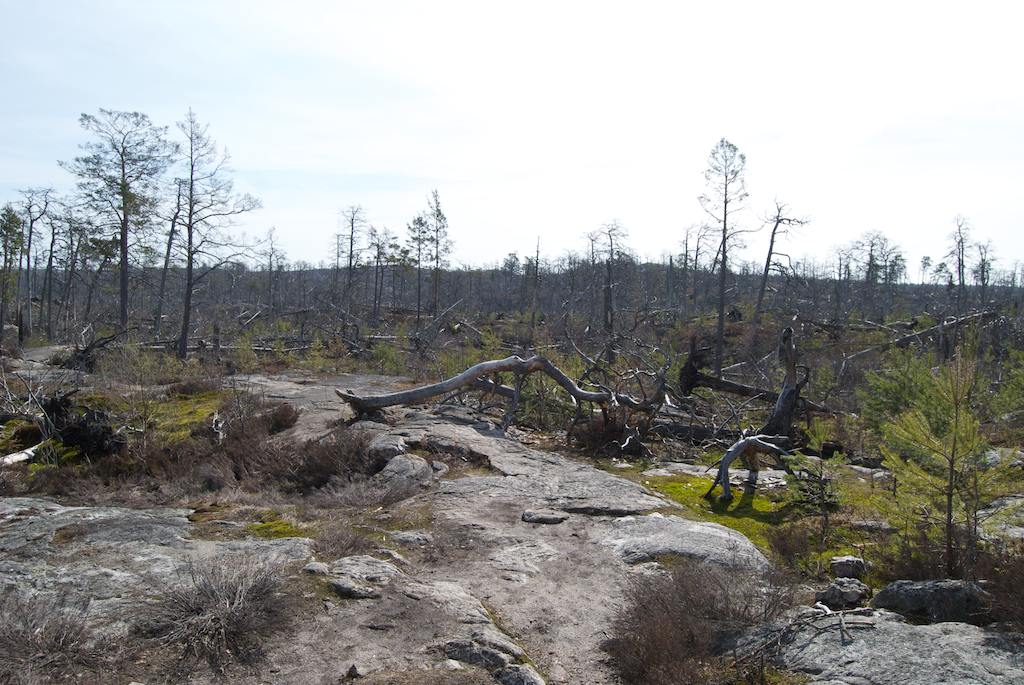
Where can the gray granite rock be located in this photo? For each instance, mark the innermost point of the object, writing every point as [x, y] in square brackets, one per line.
[656, 535]
[935, 600]
[842, 593]
[883, 649]
[847, 567]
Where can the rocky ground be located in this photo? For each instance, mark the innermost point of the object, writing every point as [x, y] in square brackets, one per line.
[509, 571]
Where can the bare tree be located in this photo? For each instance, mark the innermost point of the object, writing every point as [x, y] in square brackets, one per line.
[418, 242]
[211, 206]
[384, 246]
[35, 206]
[778, 221]
[613, 234]
[982, 272]
[11, 241]
[353, 223]
[171, 235]
[960, 239]
[439, 243]
[118, 177]
[727, 194]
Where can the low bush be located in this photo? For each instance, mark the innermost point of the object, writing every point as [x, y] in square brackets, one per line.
[673, 625]
[1002, 575]
[341, 457]
[334, 541]
[39, 631]
[219, 614]
[792, 544]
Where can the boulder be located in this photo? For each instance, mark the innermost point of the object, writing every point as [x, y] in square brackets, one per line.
[936, 600]
[475, 654]
[638, 538]
[847, 567]
[383, 448]
[842, 593]
[881, 648]
[405, 470]
[519, 674]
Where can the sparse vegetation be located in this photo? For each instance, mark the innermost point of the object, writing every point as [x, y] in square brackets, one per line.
[152, 429]
[673, 627]
[219, 613]
[40, 633]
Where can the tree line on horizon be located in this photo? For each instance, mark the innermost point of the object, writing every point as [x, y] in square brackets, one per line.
[147, 238]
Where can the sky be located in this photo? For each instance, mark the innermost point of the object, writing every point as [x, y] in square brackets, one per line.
[542, 121]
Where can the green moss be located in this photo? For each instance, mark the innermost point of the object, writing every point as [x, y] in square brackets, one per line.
[747, 514]
[272, 530]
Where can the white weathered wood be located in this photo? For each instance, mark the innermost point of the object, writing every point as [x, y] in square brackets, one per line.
[515, 365]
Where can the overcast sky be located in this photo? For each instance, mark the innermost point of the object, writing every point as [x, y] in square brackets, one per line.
[547, 119]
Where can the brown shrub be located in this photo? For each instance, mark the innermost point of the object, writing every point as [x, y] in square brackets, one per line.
[672, 625]
[1000, 572]
[280, 418]
[335, 541]
[342, 457]
[219, 613]
[41, 630]
[195, 386]
[791, 543]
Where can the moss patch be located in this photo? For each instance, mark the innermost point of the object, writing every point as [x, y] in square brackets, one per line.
[272, 526]
[747, 514]
[276, 529]
[174, 418]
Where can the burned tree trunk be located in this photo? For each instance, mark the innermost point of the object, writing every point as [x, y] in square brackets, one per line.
[781, 420]
[786, 401]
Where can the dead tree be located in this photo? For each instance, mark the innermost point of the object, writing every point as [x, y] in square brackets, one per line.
[520, 369]
[691, 378]
[749, 447]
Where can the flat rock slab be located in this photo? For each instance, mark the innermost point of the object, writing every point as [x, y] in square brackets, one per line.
[637, 537]
[893, 652]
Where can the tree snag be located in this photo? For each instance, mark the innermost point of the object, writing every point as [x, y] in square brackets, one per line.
[749, 448]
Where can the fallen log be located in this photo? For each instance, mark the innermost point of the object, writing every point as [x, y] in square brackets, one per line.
[914, 337]
[520, 368]
[749, 448]
[690, 379]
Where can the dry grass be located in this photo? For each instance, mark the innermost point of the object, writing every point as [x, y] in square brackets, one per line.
[672, 626]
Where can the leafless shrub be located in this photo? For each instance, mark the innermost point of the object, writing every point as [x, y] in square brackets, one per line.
[280, 418]
[219, 614]
[791, 543]
[358, 493]
[1002, 575]
[336, 541]
[673, 625]
[342, 458]
[195, 386]
[41, 629]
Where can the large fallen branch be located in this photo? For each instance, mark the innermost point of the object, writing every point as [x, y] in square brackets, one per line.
[520, 368]
[907, 340]
[690, 379]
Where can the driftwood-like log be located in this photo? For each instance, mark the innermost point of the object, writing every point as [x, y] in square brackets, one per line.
[749, 449]
[520, 368]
